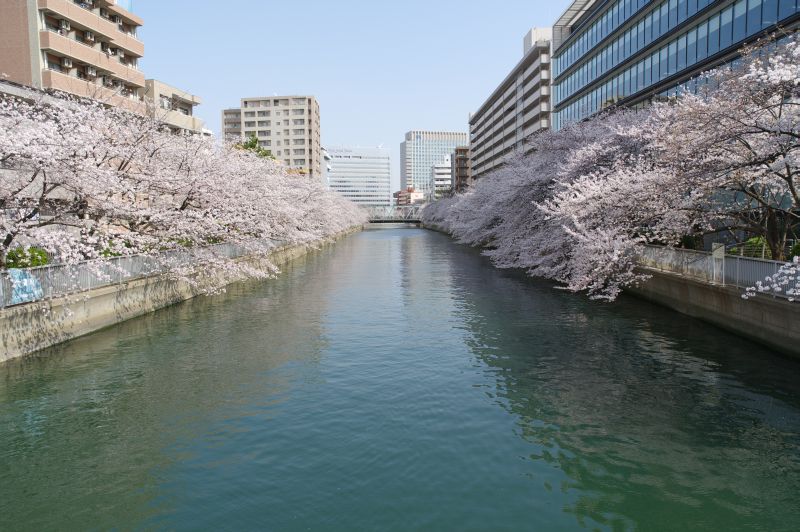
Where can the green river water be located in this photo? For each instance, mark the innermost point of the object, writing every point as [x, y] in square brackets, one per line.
[397, 381]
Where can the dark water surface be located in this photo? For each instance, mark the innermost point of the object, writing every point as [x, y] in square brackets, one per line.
[396, 381]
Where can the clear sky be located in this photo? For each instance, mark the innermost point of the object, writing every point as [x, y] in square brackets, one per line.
[378, 69]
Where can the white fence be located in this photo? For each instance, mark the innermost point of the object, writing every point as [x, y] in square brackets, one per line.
[726, 270]
[26, 285]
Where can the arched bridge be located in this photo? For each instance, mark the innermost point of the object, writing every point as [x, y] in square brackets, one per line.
[395, 215]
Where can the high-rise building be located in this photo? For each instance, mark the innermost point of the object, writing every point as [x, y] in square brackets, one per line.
[173, 106]
[288, 126]
[442, 178]
[518, 107]
[362, 175]
[460, 169]
[420, 151]
[88, 48]
[627, 52]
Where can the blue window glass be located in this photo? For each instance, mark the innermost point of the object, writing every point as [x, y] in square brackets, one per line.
[769, 14]
[692, 7]
[702, 41]
[648, 28]
[640, 36]
[682, 52]
[713, 35]
[656, 24]
[753, 16]
[786, 8]
[627, 50]
[739, 20]
[640, 76]
[681, 11]
[664, 18]
[725, 27]
[691, 47]
[672, 64]
[673, 13]
[663, 61]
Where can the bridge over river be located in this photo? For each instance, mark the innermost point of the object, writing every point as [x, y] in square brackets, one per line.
[393, 215]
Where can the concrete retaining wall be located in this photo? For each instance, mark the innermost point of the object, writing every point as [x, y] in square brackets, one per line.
[764, 319]
[34, 326]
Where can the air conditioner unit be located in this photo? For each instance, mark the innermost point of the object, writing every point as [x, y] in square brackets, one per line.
[104, 12]
[63, 24]
[89, 36]
[91, 72]
[66, 62]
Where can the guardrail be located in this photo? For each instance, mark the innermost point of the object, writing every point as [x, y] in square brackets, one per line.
[27, 285]
[727, 270]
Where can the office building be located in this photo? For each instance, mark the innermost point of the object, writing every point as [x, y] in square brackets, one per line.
[442, 178]
[627, 52]
[173, 106]
[408, 197]
[362, 175]
[460, 169]
[88, 48]
[518, 107]
[288, 126]
[420, 151]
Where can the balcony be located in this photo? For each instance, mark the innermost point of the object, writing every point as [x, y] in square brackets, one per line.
[87, 89]
[79, 51]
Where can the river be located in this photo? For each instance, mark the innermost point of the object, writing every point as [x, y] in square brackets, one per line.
[397, 381]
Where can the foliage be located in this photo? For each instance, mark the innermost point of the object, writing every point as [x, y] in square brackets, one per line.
[252, 145]
[795, 251]
[26, 257]
[578, 205]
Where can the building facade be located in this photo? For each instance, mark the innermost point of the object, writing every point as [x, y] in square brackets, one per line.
[420, 151]
[88, 48]
[173, 106]
[518, 108]
[460, 169]
[408, 197]
[288, 126]
[362, 175]
[442, 178]
[627, 52]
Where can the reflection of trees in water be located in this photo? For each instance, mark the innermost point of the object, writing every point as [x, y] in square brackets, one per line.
[96, 411]
[649, 428]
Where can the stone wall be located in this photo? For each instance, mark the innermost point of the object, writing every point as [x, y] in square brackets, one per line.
[28, 328]
[765, 319]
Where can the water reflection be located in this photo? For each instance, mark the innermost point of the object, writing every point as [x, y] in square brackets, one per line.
[652, 417]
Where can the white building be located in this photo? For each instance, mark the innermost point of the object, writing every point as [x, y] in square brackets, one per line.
[420, 151]
[442, 178]
[362, 175]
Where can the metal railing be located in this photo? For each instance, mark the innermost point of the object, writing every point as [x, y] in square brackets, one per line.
[402, 213]
[28, 285]
[725, 270]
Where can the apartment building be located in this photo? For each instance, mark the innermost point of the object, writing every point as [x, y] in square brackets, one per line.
[88, 48]
[420, 151]
[627, 52]
[288, 126]
[362, 175]
[442, 178]
[460, 169]
[173, 106]
[518, 107]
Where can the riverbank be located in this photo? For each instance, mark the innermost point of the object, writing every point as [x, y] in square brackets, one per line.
[25, 329]
[764, 319]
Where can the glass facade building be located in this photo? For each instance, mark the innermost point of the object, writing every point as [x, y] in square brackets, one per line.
[420, 151]
[362, 175]
[627, 51]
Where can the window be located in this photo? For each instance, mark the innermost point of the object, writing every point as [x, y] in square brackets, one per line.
[682, 52]
[753, 16]
[300, 151]
[673, 58]
[264, 133]
[739, 20]
[263, 123]
[249, 124]
[769, 14]
[713, 35]
[702, 41]
[299, 162]
[263, 113]
[298, 112]
[691, 47]
[250, 114]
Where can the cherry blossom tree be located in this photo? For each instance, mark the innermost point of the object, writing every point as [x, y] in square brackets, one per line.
[85, 181]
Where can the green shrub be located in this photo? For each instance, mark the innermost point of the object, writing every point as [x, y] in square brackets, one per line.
[795, 251]
[26, 257]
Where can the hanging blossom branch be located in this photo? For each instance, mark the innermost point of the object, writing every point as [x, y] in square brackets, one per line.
[578, 205]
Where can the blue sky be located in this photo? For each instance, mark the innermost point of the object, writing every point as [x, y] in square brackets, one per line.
[378, 69]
